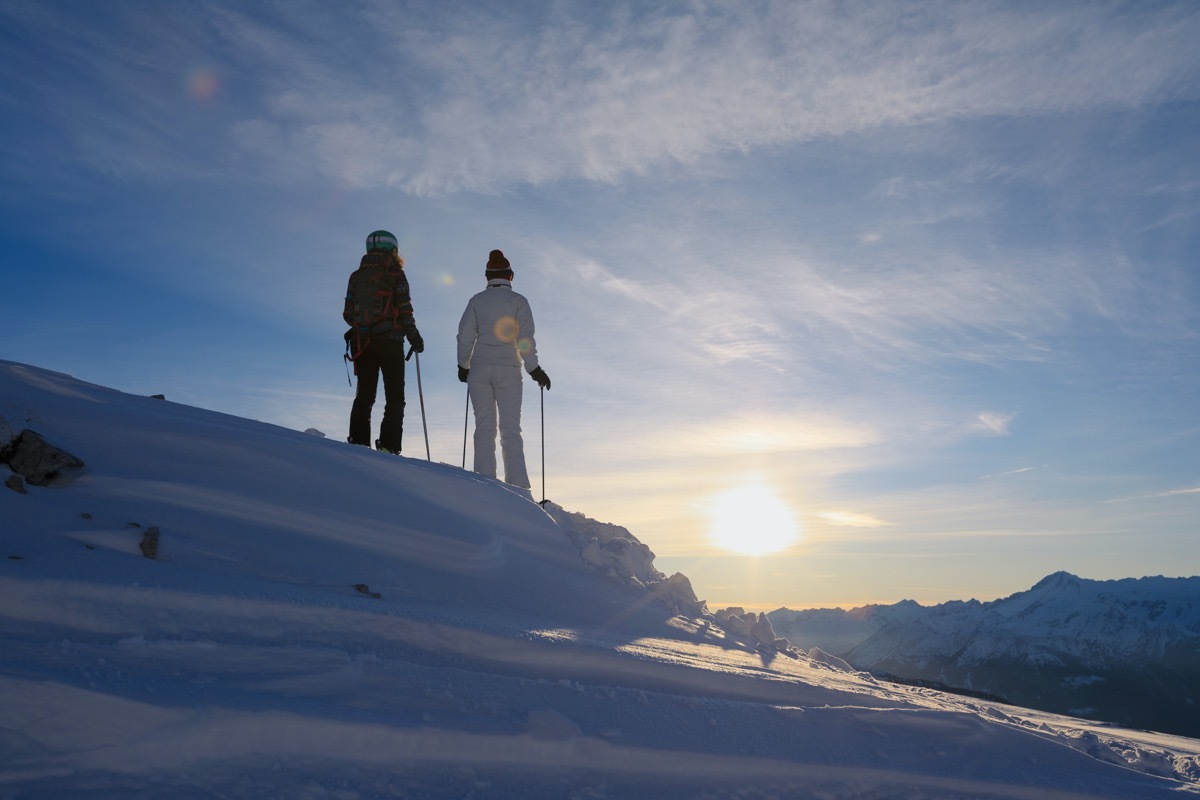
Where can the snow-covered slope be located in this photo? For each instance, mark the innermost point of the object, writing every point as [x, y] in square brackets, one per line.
[1126, 651]
[324, 621]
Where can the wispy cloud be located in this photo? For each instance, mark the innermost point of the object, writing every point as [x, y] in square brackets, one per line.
[762, 433]
[709, 318]
[1006, 473]
[1156, 495]
[850, 519]
[993, 423]
[483, 99]
[659, 297]
[611, 95]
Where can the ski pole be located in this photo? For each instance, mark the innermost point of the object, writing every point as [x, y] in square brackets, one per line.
[421, 395]
[542, 396]
[466, 414]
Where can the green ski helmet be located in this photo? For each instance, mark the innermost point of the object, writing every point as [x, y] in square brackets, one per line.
[382, 240]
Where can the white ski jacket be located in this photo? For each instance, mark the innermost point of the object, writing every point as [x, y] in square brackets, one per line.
[497, 328]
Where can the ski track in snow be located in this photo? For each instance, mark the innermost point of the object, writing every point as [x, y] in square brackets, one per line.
[493, 663]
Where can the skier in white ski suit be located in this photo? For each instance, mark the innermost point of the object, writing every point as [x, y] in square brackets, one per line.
[495, 335]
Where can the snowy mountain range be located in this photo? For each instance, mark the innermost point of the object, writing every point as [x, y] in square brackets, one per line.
[194, 605]
[1125, 651]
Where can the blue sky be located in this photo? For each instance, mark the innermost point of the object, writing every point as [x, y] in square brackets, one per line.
[921, 281]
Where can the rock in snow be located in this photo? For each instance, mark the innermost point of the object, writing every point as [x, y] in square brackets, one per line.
[33, 458]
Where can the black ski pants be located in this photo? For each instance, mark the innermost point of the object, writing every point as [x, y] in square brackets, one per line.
[381, 356]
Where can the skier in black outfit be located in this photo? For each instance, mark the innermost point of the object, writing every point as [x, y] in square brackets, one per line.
[379, 311]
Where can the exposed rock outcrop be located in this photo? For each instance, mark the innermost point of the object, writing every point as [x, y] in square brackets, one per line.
[30, 456]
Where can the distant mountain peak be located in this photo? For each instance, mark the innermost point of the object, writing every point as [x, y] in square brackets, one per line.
[1059, 580]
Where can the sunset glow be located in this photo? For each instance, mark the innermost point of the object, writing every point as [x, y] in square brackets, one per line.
[752, 520]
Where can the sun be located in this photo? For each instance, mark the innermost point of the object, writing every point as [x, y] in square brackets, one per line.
[752, 520]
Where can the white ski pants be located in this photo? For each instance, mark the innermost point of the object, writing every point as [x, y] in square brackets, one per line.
[495, 391]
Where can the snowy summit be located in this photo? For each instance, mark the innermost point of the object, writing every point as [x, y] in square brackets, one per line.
[195, 605]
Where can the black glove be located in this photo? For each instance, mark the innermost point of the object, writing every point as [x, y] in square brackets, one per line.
[462, 374]
[539, 375]
[414, 338]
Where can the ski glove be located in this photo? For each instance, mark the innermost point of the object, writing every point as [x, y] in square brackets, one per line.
[414, 338]
[462, 374]
[539, 375]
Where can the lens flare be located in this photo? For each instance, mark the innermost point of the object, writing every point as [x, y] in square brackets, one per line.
[202, 84]
[506, 329]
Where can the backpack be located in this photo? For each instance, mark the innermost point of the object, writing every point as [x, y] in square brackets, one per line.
[371, 305]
